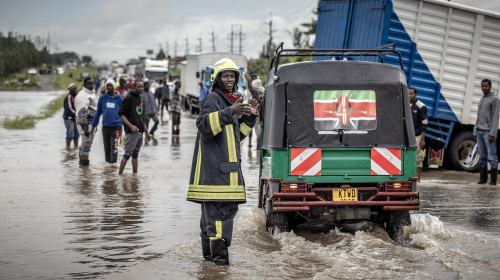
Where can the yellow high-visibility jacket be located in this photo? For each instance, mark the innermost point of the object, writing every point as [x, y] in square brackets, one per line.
[216, 168]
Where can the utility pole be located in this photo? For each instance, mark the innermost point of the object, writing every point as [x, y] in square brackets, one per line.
[200, 47]
[167, 49]
[175, 48]
[38, 42]
[187, 45]
[232, 37]
[213, 39]
[270, 42]
[48, 42]
[239, 35]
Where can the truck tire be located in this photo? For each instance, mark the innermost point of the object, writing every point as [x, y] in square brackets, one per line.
[460, 152]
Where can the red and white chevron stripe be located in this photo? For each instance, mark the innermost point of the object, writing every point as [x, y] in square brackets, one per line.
[385, 161]
[306, 161]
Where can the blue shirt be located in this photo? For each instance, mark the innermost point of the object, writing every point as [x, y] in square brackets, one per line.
[203, 93]
[108, 106]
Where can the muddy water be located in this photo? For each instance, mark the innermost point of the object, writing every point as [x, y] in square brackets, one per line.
[60, 221]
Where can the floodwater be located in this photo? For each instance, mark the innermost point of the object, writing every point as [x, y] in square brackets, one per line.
[62, 221]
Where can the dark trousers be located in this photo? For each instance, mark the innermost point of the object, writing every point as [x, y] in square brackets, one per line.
[164, 104]
[110, 138]
[217, 220]
[155, 120]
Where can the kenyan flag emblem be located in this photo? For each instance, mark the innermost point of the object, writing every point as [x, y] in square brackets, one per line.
[345, 109]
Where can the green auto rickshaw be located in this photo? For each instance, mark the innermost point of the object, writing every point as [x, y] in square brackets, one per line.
[337, 142]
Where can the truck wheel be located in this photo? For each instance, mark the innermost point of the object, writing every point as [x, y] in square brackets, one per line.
[460, 152]
[395, 223]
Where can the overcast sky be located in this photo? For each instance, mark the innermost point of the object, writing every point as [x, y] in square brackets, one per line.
[122, 29]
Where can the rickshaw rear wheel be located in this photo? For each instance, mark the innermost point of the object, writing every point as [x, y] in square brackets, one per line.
[395, 223]
[275, 220]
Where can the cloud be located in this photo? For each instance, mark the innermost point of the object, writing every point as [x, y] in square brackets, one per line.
[120, 30]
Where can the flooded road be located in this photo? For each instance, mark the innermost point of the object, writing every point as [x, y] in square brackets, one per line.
[62, 221]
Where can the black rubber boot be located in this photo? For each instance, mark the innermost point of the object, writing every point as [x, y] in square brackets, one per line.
[85, 162]
[205, 247]
[220, 254]
[483, 175]
[493, 174]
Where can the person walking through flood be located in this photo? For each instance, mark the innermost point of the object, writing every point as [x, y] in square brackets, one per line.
[132, 115]
[85, 105]
[108, 106]
[70, 117]
[216, 181]
[175, 108]
[485, 133]
[419, 114]
[122, 87]
[150, 109]
[165, 100]
[158, 92]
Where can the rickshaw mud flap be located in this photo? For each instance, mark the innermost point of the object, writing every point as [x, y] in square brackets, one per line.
[404, 203]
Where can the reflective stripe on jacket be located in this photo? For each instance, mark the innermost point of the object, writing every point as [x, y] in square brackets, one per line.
[216, 169]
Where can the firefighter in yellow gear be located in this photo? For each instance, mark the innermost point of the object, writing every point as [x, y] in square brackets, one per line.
[216, 181]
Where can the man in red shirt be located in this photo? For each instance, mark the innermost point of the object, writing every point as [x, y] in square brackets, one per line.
[122, 88]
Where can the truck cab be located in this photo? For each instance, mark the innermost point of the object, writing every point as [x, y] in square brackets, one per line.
[152, 70]
[338, 143]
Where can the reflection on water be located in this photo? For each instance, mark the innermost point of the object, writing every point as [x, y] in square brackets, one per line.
[455, 198]
[105, 218]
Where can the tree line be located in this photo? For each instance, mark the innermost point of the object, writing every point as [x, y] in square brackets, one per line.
[18, 53]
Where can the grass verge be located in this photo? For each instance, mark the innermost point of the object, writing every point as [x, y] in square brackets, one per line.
[29, 121]
[74, 76]
[62, 82]
[19, 81]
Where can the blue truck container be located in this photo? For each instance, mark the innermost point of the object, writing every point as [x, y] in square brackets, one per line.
[447, 50]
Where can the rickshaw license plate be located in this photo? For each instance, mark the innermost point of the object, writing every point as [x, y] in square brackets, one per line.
[345, 194]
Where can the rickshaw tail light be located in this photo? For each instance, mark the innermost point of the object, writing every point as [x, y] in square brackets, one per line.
[293, 187]
[398, 186]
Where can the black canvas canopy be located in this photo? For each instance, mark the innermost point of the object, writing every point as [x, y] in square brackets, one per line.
[289, 105]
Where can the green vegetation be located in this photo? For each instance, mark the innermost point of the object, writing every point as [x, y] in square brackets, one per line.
[175, 72]
[17, 53]
[73, 76]
[19, 80]
[29, 121]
